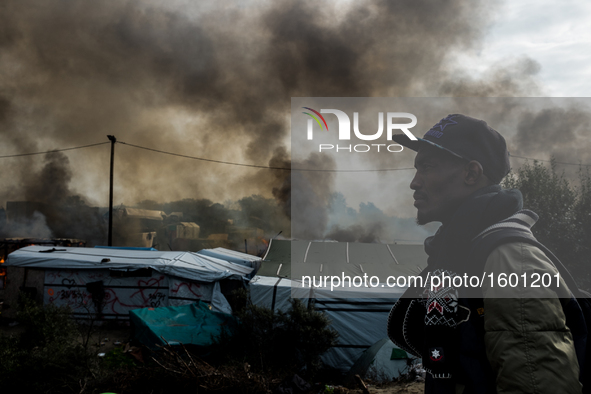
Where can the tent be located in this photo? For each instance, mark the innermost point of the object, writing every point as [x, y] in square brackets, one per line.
[384, 359]
[359, 315]
[287, 259]
[108, 283]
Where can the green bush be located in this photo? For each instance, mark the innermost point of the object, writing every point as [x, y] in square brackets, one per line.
[45, 325]
[47, 357]
[117, 359]
[564, 207]
[278, 342]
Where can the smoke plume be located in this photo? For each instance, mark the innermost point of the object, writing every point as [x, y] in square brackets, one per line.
[213, 81]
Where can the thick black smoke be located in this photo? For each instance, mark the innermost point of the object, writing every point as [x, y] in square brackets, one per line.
[212, 81]
[560, 132]
[51, 209]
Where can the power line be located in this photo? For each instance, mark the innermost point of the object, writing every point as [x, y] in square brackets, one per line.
[319, 170]
[204, 159]
[55, 150]
[254, 165]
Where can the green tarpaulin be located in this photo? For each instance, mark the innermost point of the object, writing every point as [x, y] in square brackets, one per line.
[192, 324]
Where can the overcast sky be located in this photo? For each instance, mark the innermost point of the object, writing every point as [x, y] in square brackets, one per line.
[556, 34]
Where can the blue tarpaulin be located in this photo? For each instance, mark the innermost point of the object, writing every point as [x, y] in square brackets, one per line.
[192, 324]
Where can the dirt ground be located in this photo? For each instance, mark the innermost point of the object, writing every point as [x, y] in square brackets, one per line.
[410, 388]
[414, 387]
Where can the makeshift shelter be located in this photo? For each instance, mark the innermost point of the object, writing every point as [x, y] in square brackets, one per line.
[359, 315]
[108, 283]
[193, 324]
[286, 259]
[235, 257]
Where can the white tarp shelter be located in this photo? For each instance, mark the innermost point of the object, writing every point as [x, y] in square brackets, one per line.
[359, 315]
[121, 280]
[233, 256]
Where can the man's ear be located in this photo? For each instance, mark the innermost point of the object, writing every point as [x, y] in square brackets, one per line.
[474, 173]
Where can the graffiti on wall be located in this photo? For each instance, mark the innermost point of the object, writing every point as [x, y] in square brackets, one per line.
[185, 292]
[85, 291]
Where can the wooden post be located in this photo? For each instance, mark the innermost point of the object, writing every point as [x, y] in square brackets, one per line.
[110, 234]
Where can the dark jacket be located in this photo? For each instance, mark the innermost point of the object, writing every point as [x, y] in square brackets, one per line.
[527, 342]
[490, 343]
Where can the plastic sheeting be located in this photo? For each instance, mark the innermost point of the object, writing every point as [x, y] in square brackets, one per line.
[74, 288]
[192, 324]
[360, 322]
[167, 278]
[359, 315]
[383, 359]
[294, 259]
[186, 265]
[119, 295]
[233, 256]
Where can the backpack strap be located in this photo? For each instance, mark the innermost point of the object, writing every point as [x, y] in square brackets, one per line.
[486, 242]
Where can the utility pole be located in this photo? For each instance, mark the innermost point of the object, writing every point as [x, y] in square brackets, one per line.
[110, 236]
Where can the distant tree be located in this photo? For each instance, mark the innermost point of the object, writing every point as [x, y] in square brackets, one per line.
[213, 218]
[582, 220]
[565, 213]
[149, 204]
[264, 213]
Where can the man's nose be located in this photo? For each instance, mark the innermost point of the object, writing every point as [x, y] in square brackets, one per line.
[415, 184]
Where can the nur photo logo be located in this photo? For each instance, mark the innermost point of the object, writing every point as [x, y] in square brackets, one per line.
[344, 130]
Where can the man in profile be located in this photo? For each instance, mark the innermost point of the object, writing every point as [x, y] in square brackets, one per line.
[486, 338]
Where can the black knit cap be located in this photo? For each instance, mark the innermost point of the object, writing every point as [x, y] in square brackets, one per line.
[468, 138]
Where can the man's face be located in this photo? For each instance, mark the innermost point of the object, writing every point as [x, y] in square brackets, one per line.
[438, 184]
